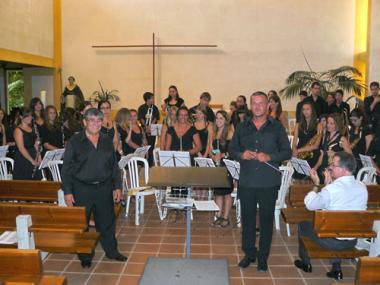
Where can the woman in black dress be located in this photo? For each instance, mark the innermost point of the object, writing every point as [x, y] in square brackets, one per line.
[333, 141]
[359, 136]
[222, 135]
[122, 120]
[183, 136]
[37, 108]
[51, 131]
[173, 99]
[108, 126]
[205, 131]
[168, 122]
[73, 89]
[136, 137]
[308, 133]
[27, 156]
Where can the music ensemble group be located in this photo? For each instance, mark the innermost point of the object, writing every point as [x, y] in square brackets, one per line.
[327, 134]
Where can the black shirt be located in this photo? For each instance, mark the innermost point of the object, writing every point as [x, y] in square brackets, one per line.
[320, 105]
[372, 117]
[271, 139]
[299, 111]
[87, 164]
[143, 110]
[184, 143]
[52, 136]
[209, 112]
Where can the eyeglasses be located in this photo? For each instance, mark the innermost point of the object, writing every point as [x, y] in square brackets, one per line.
[93, 121]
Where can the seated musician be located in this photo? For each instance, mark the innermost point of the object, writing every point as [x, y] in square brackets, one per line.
[342, 192]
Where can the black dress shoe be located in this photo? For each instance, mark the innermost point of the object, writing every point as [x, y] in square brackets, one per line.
[306, 267]
[262, 266]
[246, 261]
[119, 257]
[86, 263]
[335, 274]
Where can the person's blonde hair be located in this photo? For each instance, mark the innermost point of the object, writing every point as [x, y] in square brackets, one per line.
[122, 117]
[339, 124]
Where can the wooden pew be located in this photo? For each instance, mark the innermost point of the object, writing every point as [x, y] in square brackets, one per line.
[25, 267]
[296, 212]
[337, 224]
[29, 191]
[56, 229]
[35, 191]
[368, 271]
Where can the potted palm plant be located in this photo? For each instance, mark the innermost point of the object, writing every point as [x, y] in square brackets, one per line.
[104, 94]
[347, 78]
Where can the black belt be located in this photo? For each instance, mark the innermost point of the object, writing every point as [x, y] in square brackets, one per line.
[91, 182]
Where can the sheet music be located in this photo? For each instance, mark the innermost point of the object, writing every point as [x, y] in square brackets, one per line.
[206, 205]
[174, 158]
[51, 155]
[204, 162]
[124, 160]
[8, 237]
[366, 160]
[233, 168]
[301, 166]
[155, 129]
[142, 151]
[3, 150]
[177, 202]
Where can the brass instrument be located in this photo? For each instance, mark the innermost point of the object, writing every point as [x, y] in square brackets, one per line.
[309, 154]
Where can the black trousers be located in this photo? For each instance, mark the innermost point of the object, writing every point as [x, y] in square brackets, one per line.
[265, 198]
[305, 229]
[151, 141]
[98, 199]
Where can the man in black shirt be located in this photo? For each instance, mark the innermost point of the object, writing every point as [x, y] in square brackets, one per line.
[320, 105]
[204, 102]
[260, 144]
[91, 179]
[372, 107]
[341, 106]
[149, 114]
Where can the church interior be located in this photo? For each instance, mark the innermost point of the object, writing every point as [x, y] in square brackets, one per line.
[125, 52]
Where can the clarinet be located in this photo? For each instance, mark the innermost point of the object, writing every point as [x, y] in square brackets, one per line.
[38, 153]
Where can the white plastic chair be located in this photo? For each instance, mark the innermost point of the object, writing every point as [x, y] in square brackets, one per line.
[233, 168]
[292, 124]
[286, 179]
[4, 161]
[367, 175]
[134, 188]
[156, 157]
[53, 166]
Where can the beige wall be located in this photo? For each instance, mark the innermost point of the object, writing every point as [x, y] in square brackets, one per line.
[260, 43]
[27, 26]
[374, 51]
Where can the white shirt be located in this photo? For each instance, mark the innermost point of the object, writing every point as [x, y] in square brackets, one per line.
[344, 193]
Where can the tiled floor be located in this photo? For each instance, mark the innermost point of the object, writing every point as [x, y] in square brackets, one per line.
[167, 238]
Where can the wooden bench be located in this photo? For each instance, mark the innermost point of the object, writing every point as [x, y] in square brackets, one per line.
[367, 271]
[296, 212]
[56, 229]
[29, 191]
[338, 224]
[25, 267]
[35, 191]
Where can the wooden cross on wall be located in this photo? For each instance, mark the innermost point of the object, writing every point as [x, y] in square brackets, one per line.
[154, 46]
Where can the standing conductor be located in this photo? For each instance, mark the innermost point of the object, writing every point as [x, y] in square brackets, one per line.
[260, 144]
[91, 178]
